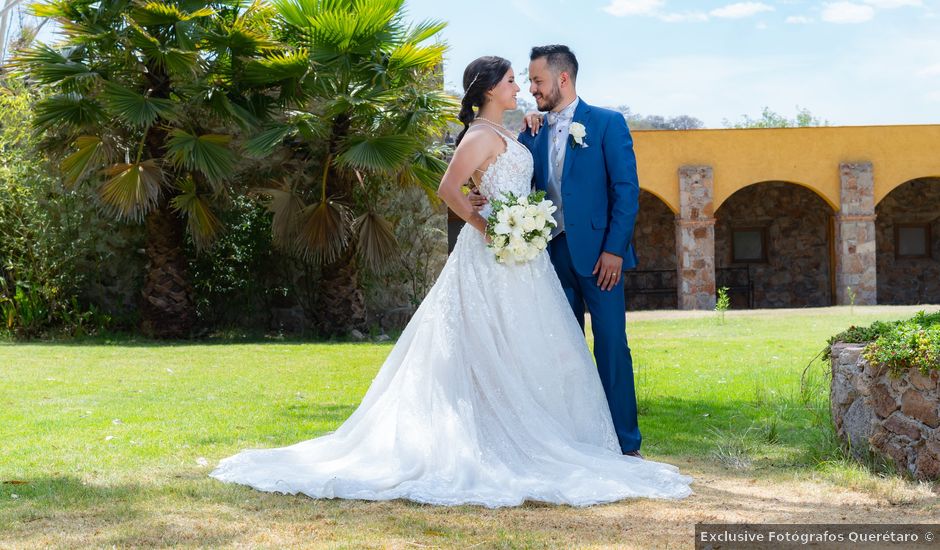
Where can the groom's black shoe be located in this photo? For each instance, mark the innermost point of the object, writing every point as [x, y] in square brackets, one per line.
[634, 453]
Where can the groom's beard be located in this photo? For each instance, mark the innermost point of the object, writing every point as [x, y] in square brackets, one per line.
[549, 102]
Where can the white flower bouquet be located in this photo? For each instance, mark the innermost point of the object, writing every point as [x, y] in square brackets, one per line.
[520, 227]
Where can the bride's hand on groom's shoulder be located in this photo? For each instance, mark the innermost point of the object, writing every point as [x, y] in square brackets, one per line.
[532, 121]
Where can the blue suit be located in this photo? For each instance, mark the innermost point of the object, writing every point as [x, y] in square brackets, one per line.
[600, 193]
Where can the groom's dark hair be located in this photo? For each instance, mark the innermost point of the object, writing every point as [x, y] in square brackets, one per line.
[560, 58]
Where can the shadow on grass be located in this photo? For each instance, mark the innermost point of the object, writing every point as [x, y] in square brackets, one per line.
[783, 428]
[222, 338]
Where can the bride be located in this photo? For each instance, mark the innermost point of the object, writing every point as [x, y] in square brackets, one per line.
[490, 396]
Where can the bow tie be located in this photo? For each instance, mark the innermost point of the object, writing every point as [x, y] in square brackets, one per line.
[553, 117]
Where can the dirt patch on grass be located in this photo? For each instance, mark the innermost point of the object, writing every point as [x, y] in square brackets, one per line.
[207, 513]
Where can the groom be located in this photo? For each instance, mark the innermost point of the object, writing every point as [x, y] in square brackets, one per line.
[584, 160]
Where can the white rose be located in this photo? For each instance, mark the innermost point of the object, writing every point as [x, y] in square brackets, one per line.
[530, 223]
[577, 131]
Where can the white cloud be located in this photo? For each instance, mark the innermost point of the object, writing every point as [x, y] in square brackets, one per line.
[933, 70]
[682, 17]
[740, 10]
[761, 26]
[623, 8]
[651, 8]
[847, 12]
[889, 4]
[799, 20]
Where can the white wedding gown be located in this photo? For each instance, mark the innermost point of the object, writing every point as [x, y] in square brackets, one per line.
[490, 397]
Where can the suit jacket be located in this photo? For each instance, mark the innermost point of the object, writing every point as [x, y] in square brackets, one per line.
[599, 187]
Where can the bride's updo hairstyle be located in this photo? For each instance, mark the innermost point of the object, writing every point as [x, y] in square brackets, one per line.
[480, 76]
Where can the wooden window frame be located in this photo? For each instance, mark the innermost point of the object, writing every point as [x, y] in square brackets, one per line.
[928, 241]
[763, 245]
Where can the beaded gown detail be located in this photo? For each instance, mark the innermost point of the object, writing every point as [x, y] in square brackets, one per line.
[489, 397]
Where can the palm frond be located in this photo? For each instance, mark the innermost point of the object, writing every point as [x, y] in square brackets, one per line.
[410, 56]
[324, 231]
[149, 14]
[227, 110]
[85, 160]
[135, 109]
[285, 207]
[69, 109]
[290, 65]
[208, 153]
[375, 237]
[378, 153]
[176, 61]
[47, 65]
[262, 144]
[131, 190]
[425, 170]
[201, 222]
[424, 30]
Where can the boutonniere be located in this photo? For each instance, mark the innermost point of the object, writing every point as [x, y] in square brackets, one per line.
[577, 133]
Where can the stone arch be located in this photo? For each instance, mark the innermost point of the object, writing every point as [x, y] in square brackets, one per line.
[815, 189]
[653, 284]
[794, 224]
[905, 215]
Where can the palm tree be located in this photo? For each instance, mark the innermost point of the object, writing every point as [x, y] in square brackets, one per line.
[365, 116]
[147, 96]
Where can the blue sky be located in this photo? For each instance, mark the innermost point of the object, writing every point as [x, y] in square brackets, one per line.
[853, 62]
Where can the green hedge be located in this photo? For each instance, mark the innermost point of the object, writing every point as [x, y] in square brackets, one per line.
[898, 345]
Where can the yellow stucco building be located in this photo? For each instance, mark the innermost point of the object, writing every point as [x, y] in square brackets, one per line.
[788, 216]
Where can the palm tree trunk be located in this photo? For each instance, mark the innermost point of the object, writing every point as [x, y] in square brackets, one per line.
[168, 309]
[343, 305]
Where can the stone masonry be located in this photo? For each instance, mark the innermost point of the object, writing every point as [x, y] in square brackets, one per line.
[695, 238]
[909, 280]
[655, 241]
[796, 221]
[895, 418]
[855, 236]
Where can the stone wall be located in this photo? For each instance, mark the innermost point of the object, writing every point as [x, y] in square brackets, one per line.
[896, 418]
[695, 237]
[908, 280]
[654, 238]
[796, 273]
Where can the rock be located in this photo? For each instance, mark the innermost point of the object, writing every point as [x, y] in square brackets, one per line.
[856, 425]
[383, 338]
[922, 382]
[899, 454]
[843, 388]
[927, 410]
[882, 401]
[927, 465]
[902, 425]
[933, 442]
[850, 354]
[357, 335]
[396, 318]
[288, 319]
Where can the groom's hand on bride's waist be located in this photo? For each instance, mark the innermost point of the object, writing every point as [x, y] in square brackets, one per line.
[608, 269]
[476, 199]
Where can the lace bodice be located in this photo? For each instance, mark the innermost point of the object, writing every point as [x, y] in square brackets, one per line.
[511, 172]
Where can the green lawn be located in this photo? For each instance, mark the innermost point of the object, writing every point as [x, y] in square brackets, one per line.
[109, 442]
